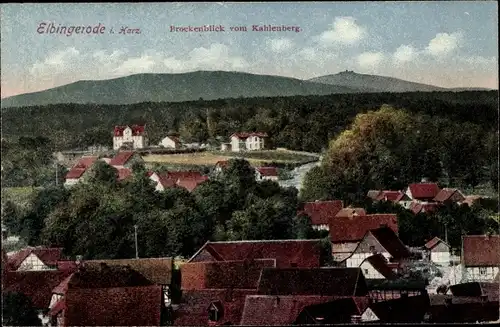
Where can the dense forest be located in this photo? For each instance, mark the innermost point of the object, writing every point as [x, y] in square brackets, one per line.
[299, 122]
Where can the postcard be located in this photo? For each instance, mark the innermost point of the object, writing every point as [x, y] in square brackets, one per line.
[220, 163]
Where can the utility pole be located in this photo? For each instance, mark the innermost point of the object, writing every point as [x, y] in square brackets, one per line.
[57, 179]
[136, 248]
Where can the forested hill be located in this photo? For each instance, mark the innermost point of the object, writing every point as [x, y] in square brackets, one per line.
[299, 122]
[208, 85]
[374, 83]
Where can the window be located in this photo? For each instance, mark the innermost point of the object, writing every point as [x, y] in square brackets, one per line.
[372, 249]
[366, 271]
[482, 270]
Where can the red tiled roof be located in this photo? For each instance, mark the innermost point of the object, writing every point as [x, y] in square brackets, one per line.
[223, 274]
[121, 158]
[123, 173]
[432, 243]
[380, 264]
[321, 211]
[37, 285]
[87, 161]
[416, 207]
[391, 242]
[268, 171]
[165, 181]
[353, 229]
[93, 276]
[184, 174]
[124, 306]
[62, 287]
[193, 309]
[191, 183]
[313, 281]
[481, 250]
[48, 256]
[265, 310]
[422, 191]
[444, 194]
[80, 167]
[394, 196]
[66, 264]
[157, 270]
[244, 135]
[350, 212]
[75, 173]
[303, 253]
[136, 130]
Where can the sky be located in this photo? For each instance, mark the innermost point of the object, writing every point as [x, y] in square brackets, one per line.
[447, 44]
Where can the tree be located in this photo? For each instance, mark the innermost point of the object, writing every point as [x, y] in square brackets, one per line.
[18, 310]
[262, 219]
[302, 227]
[101, 172]
[10, 217]
[33, 221]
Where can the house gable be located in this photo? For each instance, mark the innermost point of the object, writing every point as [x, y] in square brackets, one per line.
[32, 262]
[203, 256]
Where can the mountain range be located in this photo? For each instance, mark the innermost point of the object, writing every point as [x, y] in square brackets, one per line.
[212, 85]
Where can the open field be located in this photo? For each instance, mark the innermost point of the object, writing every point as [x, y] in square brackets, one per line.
[211, 158]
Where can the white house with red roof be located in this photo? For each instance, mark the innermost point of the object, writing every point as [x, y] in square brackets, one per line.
[248, 141]
[125, 159]
[347, 232]
[382, 241]
[170, 142]
[186, 179]
[266, 173]
[480, 257]
[35, 258]
[438, 251]
[77, 172]
[320, 212]
[133, 137]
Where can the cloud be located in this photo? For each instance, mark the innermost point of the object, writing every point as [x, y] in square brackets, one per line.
[344, 30]
[56, 62]
[370, 59]
[142, 64]
[280, 45]
[443, 43]
[216, 57]
[404, 53]
[476, 61]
